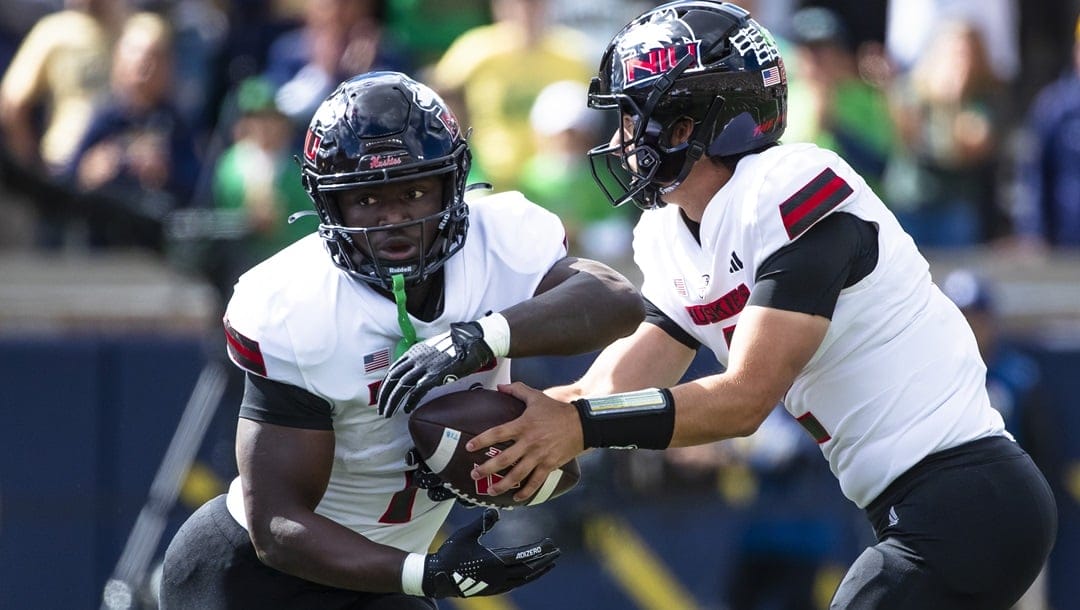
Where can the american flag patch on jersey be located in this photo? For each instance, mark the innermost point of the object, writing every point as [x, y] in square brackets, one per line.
[377, 360]
[813, 201]
[770, 76]
[680, 287]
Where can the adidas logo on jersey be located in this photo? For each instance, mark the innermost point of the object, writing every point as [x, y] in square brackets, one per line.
[734, 264]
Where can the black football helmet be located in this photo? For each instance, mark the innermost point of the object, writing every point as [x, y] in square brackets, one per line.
[383, 127]
[705, 61]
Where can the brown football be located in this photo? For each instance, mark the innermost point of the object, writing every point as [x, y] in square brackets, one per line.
[441, 427]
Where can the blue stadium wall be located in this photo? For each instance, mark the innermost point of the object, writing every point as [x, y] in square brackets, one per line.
[87, 420]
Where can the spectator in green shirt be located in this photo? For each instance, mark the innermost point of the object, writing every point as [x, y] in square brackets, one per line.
[832, 105]
[257, 177]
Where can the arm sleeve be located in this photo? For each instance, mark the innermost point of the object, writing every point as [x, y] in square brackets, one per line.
[808, 274]
[282, 404]
[654, 316]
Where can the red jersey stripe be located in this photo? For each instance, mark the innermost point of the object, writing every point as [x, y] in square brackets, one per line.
[244, 351]
[813, 201]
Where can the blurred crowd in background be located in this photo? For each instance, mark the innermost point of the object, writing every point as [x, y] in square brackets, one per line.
[171, 126]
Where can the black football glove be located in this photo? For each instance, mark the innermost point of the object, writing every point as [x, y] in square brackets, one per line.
[441, 359]
[462, 567]
[427, 480]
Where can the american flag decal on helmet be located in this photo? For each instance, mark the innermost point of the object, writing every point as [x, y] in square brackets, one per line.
[813, 201]
[770, 76]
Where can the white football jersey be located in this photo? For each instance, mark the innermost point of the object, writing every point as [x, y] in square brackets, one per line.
[898, 375]
[307, 323]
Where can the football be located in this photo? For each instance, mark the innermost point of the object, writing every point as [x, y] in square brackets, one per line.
[441, 427]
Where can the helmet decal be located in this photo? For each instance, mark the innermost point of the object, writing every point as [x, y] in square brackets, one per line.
[653, 48]
[702, 63]
[380, 161]
[427, 99]
[311, 145]
[772, 76]
[450, 121]
[755, 40]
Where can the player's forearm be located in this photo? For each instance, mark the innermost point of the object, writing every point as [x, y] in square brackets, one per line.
[649, 358]
[586, 312]
[318, 549]
[718, 407]
[706, 410]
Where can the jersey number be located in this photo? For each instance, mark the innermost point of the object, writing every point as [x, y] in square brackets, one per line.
[401, 503]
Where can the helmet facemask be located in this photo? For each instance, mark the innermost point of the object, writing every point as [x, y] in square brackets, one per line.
[441, 235]
[649, 163]
[382, 128]
[703, 62]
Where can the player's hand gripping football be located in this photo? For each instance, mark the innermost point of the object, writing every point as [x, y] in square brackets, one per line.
[546, 436]
[425, 479]
[461, 351]
[463, 567]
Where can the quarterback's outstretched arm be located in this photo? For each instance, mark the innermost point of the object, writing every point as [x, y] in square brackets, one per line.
[774, 339]
[769, 349]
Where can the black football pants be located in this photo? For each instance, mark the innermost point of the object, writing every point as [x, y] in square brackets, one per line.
[968, 528]
[211, 565]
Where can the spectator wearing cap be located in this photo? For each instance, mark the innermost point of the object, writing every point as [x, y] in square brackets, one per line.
[1047, 210]
[256, 177]
[831, 104]
[1013, 378]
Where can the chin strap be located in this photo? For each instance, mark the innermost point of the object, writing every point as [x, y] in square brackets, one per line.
[407, 330]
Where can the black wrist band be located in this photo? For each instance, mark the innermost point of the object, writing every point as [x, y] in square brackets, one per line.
[644, 419]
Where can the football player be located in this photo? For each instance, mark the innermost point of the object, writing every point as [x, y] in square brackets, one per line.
[326, 512]
[780, 260]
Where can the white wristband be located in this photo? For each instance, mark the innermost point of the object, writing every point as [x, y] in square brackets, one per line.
[412, 574]
[496, 334]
